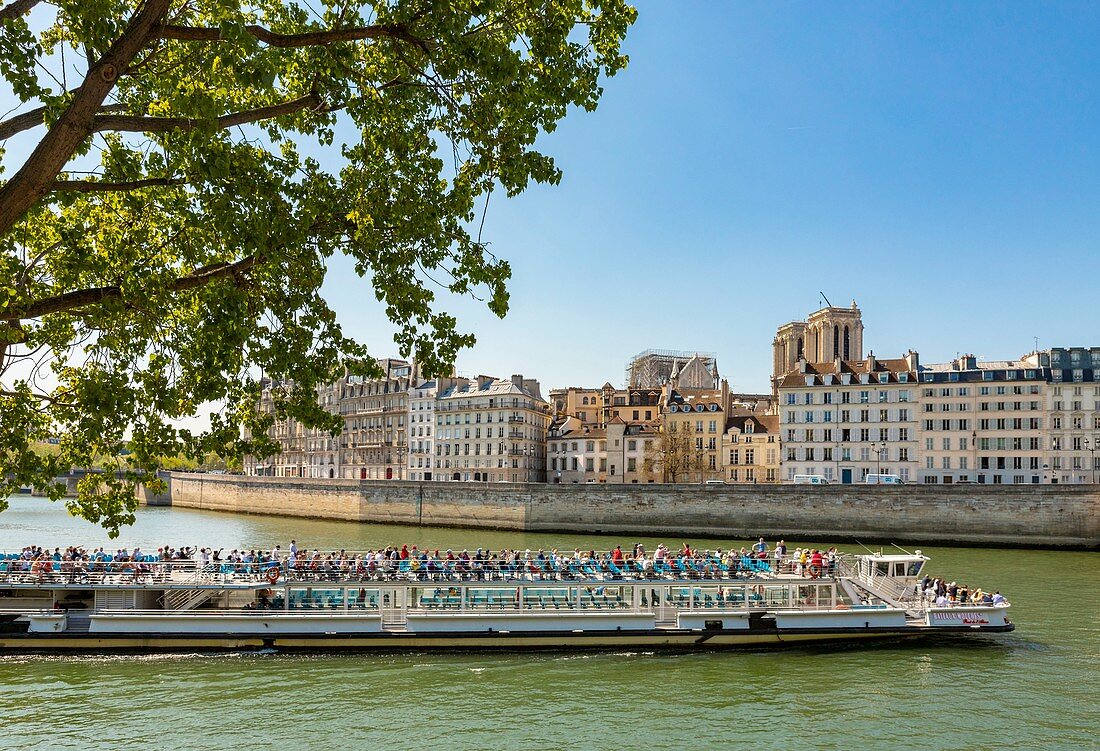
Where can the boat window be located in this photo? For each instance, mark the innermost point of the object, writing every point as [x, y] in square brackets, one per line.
[883, 568]
[546, 598]
[915, 567]
[363, 599]
[490, 598]
[314, 598]
[777, 597]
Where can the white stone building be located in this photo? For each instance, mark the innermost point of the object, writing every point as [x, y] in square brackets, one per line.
[846, 419]
[421, 424]
[491, 430]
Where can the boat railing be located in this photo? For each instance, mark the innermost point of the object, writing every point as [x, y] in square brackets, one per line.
[183, 573]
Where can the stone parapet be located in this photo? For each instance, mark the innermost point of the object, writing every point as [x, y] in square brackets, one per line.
[1003, 515]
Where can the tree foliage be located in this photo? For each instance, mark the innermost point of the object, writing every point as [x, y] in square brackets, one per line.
[164, 241]
[672, 456]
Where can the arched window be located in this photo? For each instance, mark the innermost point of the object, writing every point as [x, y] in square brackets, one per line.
[836, 341]
[799, 355]
[847, 344]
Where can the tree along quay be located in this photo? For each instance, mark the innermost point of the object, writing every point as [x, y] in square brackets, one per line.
[1040, 516]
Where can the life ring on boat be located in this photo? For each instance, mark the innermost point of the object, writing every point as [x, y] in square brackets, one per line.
[273, 574]
[815, 571]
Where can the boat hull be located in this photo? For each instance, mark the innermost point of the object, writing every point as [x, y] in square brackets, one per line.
[680, 640]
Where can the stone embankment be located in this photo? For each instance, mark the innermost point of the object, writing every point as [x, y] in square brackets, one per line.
[1057, 516]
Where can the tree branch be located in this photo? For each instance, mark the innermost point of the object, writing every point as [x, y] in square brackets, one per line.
[36, 117]
[305, 39]
[84, 297]
[142, 124]
[34, 178]
[96, 186]
[14, 10]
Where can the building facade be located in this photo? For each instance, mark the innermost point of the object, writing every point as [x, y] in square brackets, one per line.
[983, 421]
[375, 440]
[491, 430]
[751, 448]
[692, 425]
[846, 419]
[421, 422]
[1073, 401]
[615, 453]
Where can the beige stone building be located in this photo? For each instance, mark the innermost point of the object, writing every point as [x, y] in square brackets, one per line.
[305, 452]
[374, 443]
[615, 453]
[597, 406]
[692, 425]
[983, 421]
[751, 448]
[491, 430]
[1073, 403]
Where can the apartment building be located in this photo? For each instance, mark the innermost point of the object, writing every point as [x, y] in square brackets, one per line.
[1073, 402]
[983, 421]
[374, 444]
[596, 407]
[751, 448]
[616, 454]
[421, 425]
[491, 430]
[693, 422]
[305, 451]
[846, 419]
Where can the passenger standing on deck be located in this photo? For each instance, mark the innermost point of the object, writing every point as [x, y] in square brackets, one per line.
[760, 549]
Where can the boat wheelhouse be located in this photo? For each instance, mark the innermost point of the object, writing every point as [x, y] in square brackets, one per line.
[676, 603]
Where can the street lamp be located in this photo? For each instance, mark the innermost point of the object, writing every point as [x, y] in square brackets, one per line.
[878, 447]
[1089, 447]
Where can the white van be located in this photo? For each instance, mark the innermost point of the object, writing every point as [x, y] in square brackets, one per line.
[810, 480]
[883, 480]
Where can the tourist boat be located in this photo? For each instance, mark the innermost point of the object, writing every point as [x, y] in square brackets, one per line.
[668, 605]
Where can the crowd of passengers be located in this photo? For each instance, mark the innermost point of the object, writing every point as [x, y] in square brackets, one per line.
[944, 594]
[410, 562]
[76, 563]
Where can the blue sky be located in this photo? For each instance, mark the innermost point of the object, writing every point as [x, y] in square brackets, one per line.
[939, 163]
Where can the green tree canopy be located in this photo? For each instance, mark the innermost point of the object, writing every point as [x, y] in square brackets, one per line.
[198, 162]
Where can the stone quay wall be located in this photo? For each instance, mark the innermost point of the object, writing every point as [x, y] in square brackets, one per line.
[1061, 516]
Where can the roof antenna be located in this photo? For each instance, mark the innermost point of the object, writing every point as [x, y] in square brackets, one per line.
[827, 303]
[865, 547]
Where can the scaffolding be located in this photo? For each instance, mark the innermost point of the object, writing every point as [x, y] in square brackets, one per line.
[654, 367]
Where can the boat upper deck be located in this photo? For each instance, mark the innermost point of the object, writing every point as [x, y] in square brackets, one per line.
[150, 572]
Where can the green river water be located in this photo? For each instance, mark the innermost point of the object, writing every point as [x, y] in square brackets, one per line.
[1038, 688]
